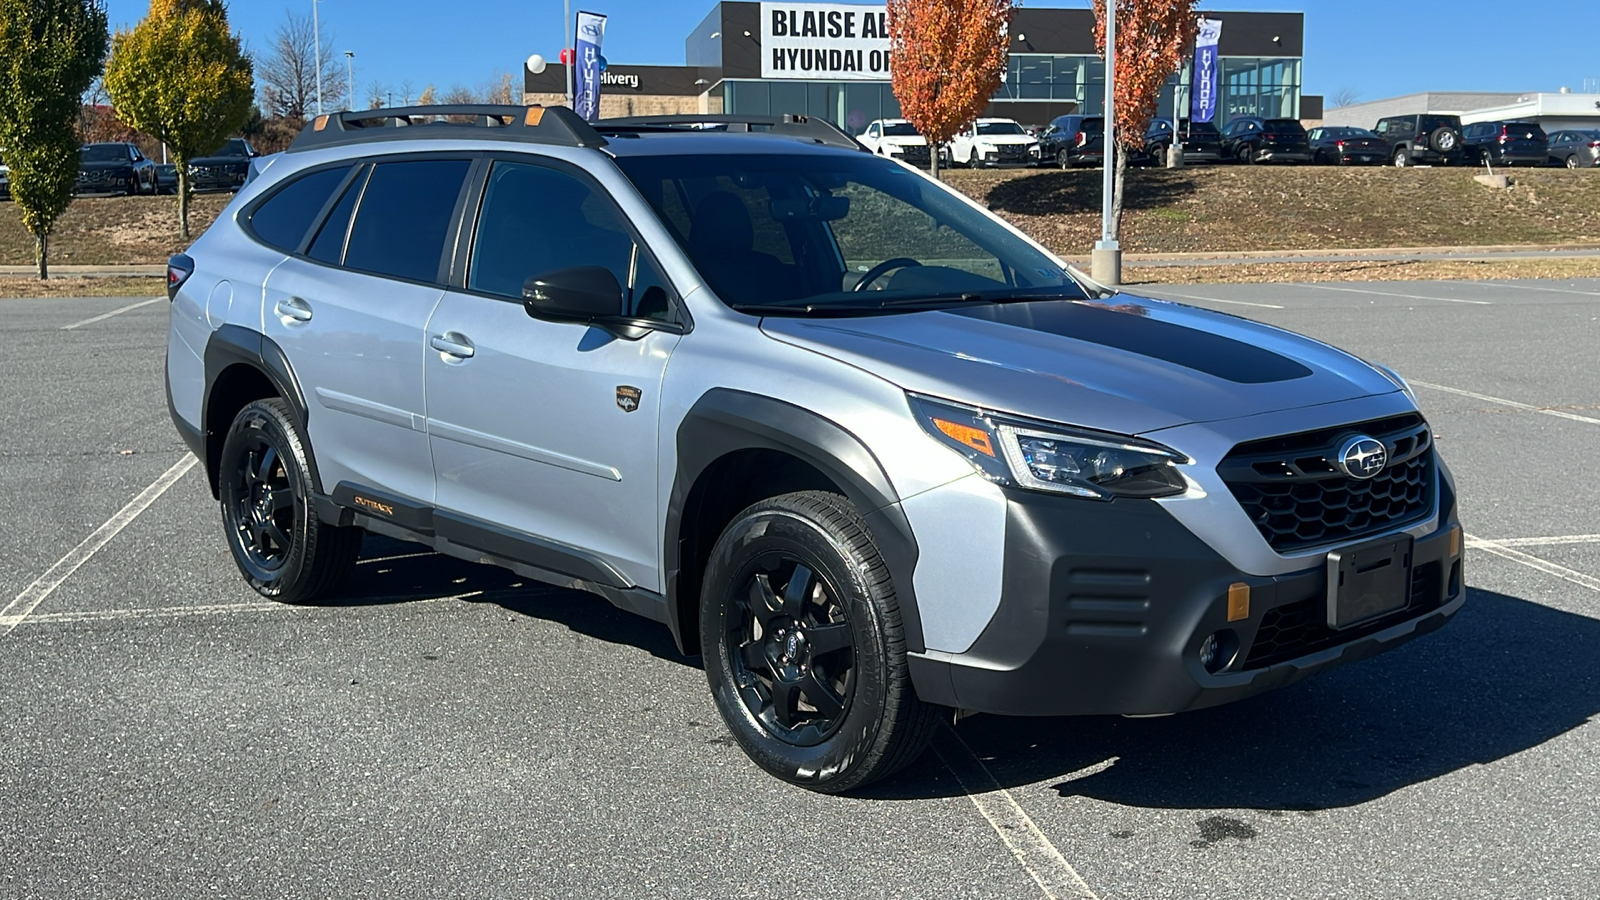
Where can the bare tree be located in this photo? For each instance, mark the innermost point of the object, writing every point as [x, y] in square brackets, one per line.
[499, 90]
[407, 91]
[1343, 97]
[378, 95]
[288, 72]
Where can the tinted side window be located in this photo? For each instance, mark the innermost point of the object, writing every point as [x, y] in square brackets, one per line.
[282, 220]
[328, 246]
[535, 220]
[404, 217]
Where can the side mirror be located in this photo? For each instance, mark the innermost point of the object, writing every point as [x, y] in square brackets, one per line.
[577, 294]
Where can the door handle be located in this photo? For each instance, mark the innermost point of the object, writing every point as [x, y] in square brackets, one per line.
[453, 343]
[293, 308]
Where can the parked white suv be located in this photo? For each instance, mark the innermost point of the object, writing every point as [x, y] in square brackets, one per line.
[898, 139]
[995, 143]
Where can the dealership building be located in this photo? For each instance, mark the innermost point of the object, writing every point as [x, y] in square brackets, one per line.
[831, 60]
[1553, 110]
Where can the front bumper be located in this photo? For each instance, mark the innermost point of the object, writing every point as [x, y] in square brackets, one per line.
[1273, 154]
[1105, 607]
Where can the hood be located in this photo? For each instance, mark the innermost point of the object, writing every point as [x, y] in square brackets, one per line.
[1130, 365]
[1006, 139]
[105, 166]
[910, 140]
[221, 161]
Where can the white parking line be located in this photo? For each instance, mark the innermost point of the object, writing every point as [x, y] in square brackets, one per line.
[116, 615]
[1501, 401]
[115, 312]
[1349, 290]
[1219, 300]
[1533, 562]
[32, 595]
[1038, 857]
[1532, 287]
[1550, 540]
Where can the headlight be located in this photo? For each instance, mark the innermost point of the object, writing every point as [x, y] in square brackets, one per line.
[893, 149]
[1052, 458]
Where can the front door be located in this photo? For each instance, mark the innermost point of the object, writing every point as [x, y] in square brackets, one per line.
[548, 430]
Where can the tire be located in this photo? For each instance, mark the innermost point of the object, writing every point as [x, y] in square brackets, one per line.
[1402, 157]
[1572, 161]
[806, 562]
[264, 478]
[972, 159]
[1250, 154]
[1063, 160]
[1444, 139]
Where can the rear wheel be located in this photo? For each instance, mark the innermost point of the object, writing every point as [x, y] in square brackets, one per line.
[804, 648]
[1572, 161]
[264, 479]
[1402, 158]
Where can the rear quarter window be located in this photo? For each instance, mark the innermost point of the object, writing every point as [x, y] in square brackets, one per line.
[282, 221]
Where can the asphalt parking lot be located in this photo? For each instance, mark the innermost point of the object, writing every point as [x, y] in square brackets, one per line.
[447, 730]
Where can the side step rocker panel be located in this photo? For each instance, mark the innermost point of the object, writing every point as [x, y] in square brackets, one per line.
[466, 538]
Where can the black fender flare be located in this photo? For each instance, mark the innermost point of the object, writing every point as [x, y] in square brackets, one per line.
[725, 421]
[234, 345]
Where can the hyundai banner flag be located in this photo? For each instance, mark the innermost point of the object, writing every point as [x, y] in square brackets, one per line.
[1206, 81]
[586, 73]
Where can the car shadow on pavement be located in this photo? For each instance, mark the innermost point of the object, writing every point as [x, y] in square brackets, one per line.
[393, 572]
[1505, 676]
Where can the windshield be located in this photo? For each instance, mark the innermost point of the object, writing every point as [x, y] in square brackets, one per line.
[105, 153]
[234, 147]
[899, 129]
[1524, 131]
[1000, 128]
[836, 233]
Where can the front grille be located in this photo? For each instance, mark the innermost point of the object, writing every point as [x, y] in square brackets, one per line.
[1296, 629]
[915, 155]
[1298, 498]
[1012, 152]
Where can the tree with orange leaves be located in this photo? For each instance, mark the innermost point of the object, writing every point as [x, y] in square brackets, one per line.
[948, 58]
[1154, 38]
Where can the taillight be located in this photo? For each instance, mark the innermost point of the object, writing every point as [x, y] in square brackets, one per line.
[179, 268]
[1338, 143]
[1082, 139]
[1269, 137]
[1594, 143]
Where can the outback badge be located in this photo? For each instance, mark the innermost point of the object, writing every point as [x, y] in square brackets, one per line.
[628, 397]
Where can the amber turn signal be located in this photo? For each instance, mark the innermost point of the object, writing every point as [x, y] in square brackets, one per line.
[976, 438]
[1455, 541]
[1238, 601]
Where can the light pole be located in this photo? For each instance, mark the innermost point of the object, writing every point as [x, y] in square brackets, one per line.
[350, 75]
[1106, 261]
[316, 38]
[567, 50]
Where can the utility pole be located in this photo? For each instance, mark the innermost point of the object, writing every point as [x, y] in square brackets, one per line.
[1106, 261]
[316, 38]
[350, 75]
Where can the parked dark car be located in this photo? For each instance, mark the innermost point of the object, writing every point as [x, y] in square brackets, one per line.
[167, 177]
[1341, 145]
[1506, 143]
[1202, 141]
[1252, 139]
[115, 168]
[1431, 139]
[5, 177]
[1073, 140]
[225, 170]
[1576, 149]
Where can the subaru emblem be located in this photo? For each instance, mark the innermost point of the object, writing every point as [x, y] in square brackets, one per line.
[1362, 457]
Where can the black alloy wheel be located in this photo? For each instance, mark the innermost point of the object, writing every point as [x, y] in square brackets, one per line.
[1063, 160]
[265, 488]
[803, 645]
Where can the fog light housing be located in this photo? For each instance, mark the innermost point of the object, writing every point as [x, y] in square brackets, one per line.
[1218, 650]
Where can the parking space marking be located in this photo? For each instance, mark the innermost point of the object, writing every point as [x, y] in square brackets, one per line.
[160, 612]
[26, 602]
[1349, 290]
[1533, 287]
[1219, 300]
[1533, 562]
[1038, 857]
[1547, 541]
[1514, 404]
[115, 312]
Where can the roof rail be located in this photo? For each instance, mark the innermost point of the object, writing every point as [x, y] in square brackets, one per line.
[808, 128]
[533, 124]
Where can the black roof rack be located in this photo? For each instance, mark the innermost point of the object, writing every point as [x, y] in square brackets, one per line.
[807, 128]
[534, 124]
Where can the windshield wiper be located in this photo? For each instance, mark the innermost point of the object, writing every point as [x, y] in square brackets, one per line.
[925, 302]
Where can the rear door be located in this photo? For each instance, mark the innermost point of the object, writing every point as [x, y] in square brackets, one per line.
[350, 312]
[544, 434]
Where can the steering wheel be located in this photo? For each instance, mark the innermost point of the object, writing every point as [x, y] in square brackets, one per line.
[883, 268]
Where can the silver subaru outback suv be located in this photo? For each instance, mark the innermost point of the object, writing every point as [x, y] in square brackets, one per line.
[869, 451]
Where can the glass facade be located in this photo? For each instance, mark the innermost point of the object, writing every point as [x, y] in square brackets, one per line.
[1250, 85]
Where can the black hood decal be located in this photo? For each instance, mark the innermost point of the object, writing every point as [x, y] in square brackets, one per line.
[1129, 328]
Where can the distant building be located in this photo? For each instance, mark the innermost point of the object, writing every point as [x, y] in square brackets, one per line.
[1553, 110]
[745, 57]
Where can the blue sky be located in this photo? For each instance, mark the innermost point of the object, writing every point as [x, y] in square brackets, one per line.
[1377, 48]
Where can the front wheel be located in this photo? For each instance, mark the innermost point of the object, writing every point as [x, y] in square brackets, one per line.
[1063, 160]
[264, 482]
[804, 648]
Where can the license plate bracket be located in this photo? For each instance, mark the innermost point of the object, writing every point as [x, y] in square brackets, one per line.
[1368, 581]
